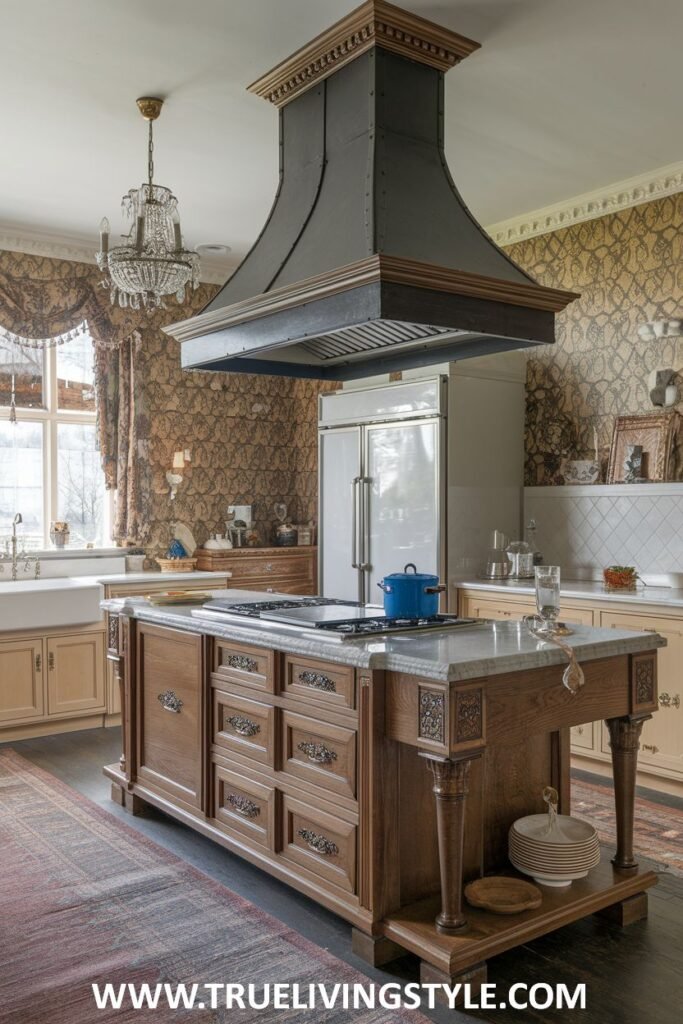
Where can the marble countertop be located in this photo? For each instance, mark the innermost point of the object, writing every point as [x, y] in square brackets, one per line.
[153, 576]
[583, 589]
[487, 648]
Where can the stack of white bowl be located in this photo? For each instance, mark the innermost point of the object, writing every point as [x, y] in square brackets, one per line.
[555, 849]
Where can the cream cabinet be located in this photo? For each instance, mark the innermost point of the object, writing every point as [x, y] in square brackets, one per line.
[661, 742]
[22, 695]
[56, 680]
[75, 673]
[660, 761]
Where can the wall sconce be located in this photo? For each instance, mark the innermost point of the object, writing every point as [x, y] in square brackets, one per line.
[661, 383]
[174, 476]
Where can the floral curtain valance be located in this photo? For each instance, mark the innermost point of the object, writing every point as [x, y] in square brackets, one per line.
[44, 299]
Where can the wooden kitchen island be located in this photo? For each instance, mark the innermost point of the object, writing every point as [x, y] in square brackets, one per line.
[378, 777]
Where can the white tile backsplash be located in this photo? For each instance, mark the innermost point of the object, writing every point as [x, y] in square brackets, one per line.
[586, 528]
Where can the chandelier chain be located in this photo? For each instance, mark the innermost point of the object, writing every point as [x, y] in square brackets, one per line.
[150, 157]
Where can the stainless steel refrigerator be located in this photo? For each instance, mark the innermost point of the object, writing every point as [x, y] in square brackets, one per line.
[382, 485]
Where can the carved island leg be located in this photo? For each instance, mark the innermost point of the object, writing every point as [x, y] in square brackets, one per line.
[625, 743]
[450, 789]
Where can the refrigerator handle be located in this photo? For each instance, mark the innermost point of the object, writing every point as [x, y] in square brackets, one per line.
[354, 522]
[365, 482]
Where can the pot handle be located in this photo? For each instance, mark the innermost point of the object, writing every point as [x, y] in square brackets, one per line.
[410, 565]
[435, 590]
[385, 587]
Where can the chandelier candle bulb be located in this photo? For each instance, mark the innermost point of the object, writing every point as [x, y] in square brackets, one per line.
[104, 236]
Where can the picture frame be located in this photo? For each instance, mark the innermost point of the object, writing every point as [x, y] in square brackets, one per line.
[654, 434]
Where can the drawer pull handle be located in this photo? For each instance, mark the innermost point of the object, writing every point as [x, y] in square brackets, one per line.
[317, 752]
[244, 726]
[651, 747]
[242, 662]
[269, 567]
[579, 730]
[667, 701]
[170, 701]
[51, 661]
[39, 662]
[247, 808]
[318, 681]
[317, 843]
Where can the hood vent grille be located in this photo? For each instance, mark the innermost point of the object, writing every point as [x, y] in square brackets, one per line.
[369, 260]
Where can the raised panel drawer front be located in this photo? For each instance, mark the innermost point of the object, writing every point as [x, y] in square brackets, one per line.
[493, 608]
[320, 843]
[243, 806]
[244, 726]
[169, 712]
[21, 680]
[248, 666]
[319, 682]
[582, 736]
[274, 566]
[324, 755]
[661, 741]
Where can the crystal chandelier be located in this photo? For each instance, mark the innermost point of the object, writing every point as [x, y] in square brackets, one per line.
[151, 262]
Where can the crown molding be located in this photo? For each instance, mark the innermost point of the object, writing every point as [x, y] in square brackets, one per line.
[665, 181]
[80, 249]
[374, 23]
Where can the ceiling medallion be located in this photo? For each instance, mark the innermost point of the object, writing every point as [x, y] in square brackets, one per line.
[151, 262]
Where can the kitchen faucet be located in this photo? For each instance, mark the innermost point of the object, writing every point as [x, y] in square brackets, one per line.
[15, 555]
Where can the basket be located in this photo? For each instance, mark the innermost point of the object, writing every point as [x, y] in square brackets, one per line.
[177, 564]
[620, 577]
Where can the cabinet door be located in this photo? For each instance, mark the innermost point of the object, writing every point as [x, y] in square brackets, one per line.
[75, 673]
[338, 542]
[169, 713]
[661, 741]
[21, 680]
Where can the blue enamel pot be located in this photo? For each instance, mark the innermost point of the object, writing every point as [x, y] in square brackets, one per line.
[411, 594]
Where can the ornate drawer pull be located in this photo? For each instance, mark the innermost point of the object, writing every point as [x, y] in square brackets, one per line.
[51, 661]
[247, 808]
[318, 681]
[244, 726]
[269, 567]
[579, 730]
[651, 747]
[39, 662]
[667, 701]
[317, 843]
[242, 662]
[317, 752]
[170, 701]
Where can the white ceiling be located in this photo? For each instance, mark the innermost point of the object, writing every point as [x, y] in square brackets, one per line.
[565, 96]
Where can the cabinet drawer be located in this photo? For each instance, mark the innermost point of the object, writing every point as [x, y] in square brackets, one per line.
[582, 735]
[303, 587]
[243, 806]
[318, 682]
[276, 567]
[320, 843]
[248, 666]
[494, 607]
[244, 726]
[324, 755]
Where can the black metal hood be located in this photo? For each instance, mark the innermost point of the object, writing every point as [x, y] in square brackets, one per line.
[369, 261]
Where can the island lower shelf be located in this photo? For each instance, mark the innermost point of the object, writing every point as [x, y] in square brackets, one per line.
[377, 793]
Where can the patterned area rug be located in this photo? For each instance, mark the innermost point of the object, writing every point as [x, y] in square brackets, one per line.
[658, 832]
[85, 898]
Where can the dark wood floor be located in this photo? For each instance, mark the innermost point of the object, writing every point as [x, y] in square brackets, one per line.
[633, 975]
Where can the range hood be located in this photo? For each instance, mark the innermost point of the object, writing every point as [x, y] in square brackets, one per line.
[369, 261]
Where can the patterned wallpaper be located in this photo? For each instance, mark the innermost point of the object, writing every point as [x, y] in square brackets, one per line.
[628, 267]
[253, 439]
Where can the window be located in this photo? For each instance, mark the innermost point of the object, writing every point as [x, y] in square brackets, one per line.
[49, 463]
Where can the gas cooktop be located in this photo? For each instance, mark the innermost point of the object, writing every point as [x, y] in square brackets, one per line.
[333, 618]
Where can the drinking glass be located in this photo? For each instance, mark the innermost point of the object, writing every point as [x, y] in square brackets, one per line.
[548, 594]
